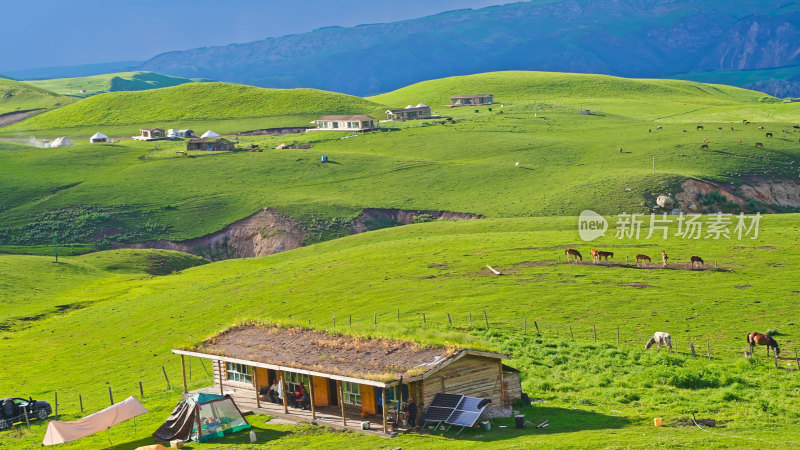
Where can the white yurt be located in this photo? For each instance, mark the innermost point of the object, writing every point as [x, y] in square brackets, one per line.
[60, 142]
[98, 137]
[209, 134]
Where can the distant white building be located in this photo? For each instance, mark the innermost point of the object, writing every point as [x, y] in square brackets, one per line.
[346, 123]
[98, 137]
[209, 134]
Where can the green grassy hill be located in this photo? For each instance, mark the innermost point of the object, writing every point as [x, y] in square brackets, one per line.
[193, 102]
[111, 82]
[129, 191]
[592, 392]
[20, 96]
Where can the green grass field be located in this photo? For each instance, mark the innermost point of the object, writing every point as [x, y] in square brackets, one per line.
[110, 318]
[20, 96]
[594, 394]
[465, 167]
[111, 82]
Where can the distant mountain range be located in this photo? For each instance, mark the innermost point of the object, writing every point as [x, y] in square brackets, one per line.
[632, 38]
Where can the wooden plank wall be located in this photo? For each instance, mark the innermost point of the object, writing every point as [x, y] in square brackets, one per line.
[369, 405]
[474, 376]
[512, 386]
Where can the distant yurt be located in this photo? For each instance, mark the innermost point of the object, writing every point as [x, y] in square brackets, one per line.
[60, 142]
[98, 137]
[209, 134]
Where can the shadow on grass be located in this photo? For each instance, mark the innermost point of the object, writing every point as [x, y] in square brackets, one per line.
[561, 420]
[263, 436]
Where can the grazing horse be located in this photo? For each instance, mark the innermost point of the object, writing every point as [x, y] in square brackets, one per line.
[744, 121]
[763, 339]
[740, 141]
[759, 145]
[659, 127]
[664, 257]
[620, 149]
[769, 135]
[573, 254]
[761, 127]
[719, 128]
[697, 259]
[660, 338]
[704, 147]
[594, 255]
[640, 257]
[699, 127]
[602, 254]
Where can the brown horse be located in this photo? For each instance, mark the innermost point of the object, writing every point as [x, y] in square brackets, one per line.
[769, 135]
[664, 257]
[640, 257]
[704, 147]
[763, 339]
[697, 259]
[759, 145]
[573, 254]
[699, 127]
[602, 254]
[594, 255]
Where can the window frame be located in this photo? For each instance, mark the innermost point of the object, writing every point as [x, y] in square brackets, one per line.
[239, 373]
[351, 393]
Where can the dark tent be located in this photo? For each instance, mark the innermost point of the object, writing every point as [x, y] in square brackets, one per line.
[202, 417]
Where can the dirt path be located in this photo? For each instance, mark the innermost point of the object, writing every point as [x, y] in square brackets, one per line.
[17, 116]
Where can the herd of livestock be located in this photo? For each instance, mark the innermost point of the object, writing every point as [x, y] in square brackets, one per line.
[598, 255]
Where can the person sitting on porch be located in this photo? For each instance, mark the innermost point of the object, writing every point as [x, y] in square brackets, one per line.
[295, 399]
[275, 392]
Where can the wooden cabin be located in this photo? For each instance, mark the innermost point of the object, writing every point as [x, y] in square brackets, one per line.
[421, 111]
[211, 144]
[346, 123]
[150, 134]
[471, 100]
[358, 374]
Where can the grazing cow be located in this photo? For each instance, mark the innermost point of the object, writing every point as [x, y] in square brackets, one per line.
[719, 128]
[769, 135]
[573, 254]
[602, 254]
[759, 145]
[659, 127]
[704, 147]
[650, 130]
[699, 127]
[664, 257]
[744, 121]
[660, 338]
[698, 260]
[642, 258]
[763, 339]
[761, 127]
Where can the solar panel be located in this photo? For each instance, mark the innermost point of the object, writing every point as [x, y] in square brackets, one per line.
[436, 414]
[443, 400]
[470, 403]
[463, 418]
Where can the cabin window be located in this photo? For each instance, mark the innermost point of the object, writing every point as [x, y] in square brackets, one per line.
[240, 373]
[293, 380]
[351, 393]
[335, 124]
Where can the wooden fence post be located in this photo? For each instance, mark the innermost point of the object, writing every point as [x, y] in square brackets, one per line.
[450, 320]
[398, 316]
[141, 389]
[796, 359]
[617, 336]
[80, 400]
[169, 387]
[570, 333]
[470, 320]
[56, 403]
[375, 319]
[110, 396]
[708, 348]
[525, 327]
[594, 330]
[424, 321]
[537, 327]
[691, 345]
[350, 319]
[486, 319]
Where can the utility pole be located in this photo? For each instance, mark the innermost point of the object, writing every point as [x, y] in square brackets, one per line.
[55, 237]
[654, 165]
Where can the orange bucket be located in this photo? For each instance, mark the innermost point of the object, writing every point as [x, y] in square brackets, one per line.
[657, 421]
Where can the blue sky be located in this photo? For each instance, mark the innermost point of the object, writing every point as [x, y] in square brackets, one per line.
[47, 33]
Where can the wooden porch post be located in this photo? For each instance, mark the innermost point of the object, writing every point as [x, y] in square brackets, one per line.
[183, 369]
[311, 394]
[385, 411]
[285, 393]
[220, 367]
[502, 385]
[255, 382]
[341, 401]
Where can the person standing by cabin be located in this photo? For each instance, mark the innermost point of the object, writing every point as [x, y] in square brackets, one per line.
[275, 392]
[411, 413]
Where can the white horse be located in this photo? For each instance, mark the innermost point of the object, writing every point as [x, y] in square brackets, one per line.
[660, 338]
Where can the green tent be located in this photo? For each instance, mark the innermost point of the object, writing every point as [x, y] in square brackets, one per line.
[201, 418]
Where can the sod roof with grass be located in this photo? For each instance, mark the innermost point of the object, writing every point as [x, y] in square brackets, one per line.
[345, 355]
